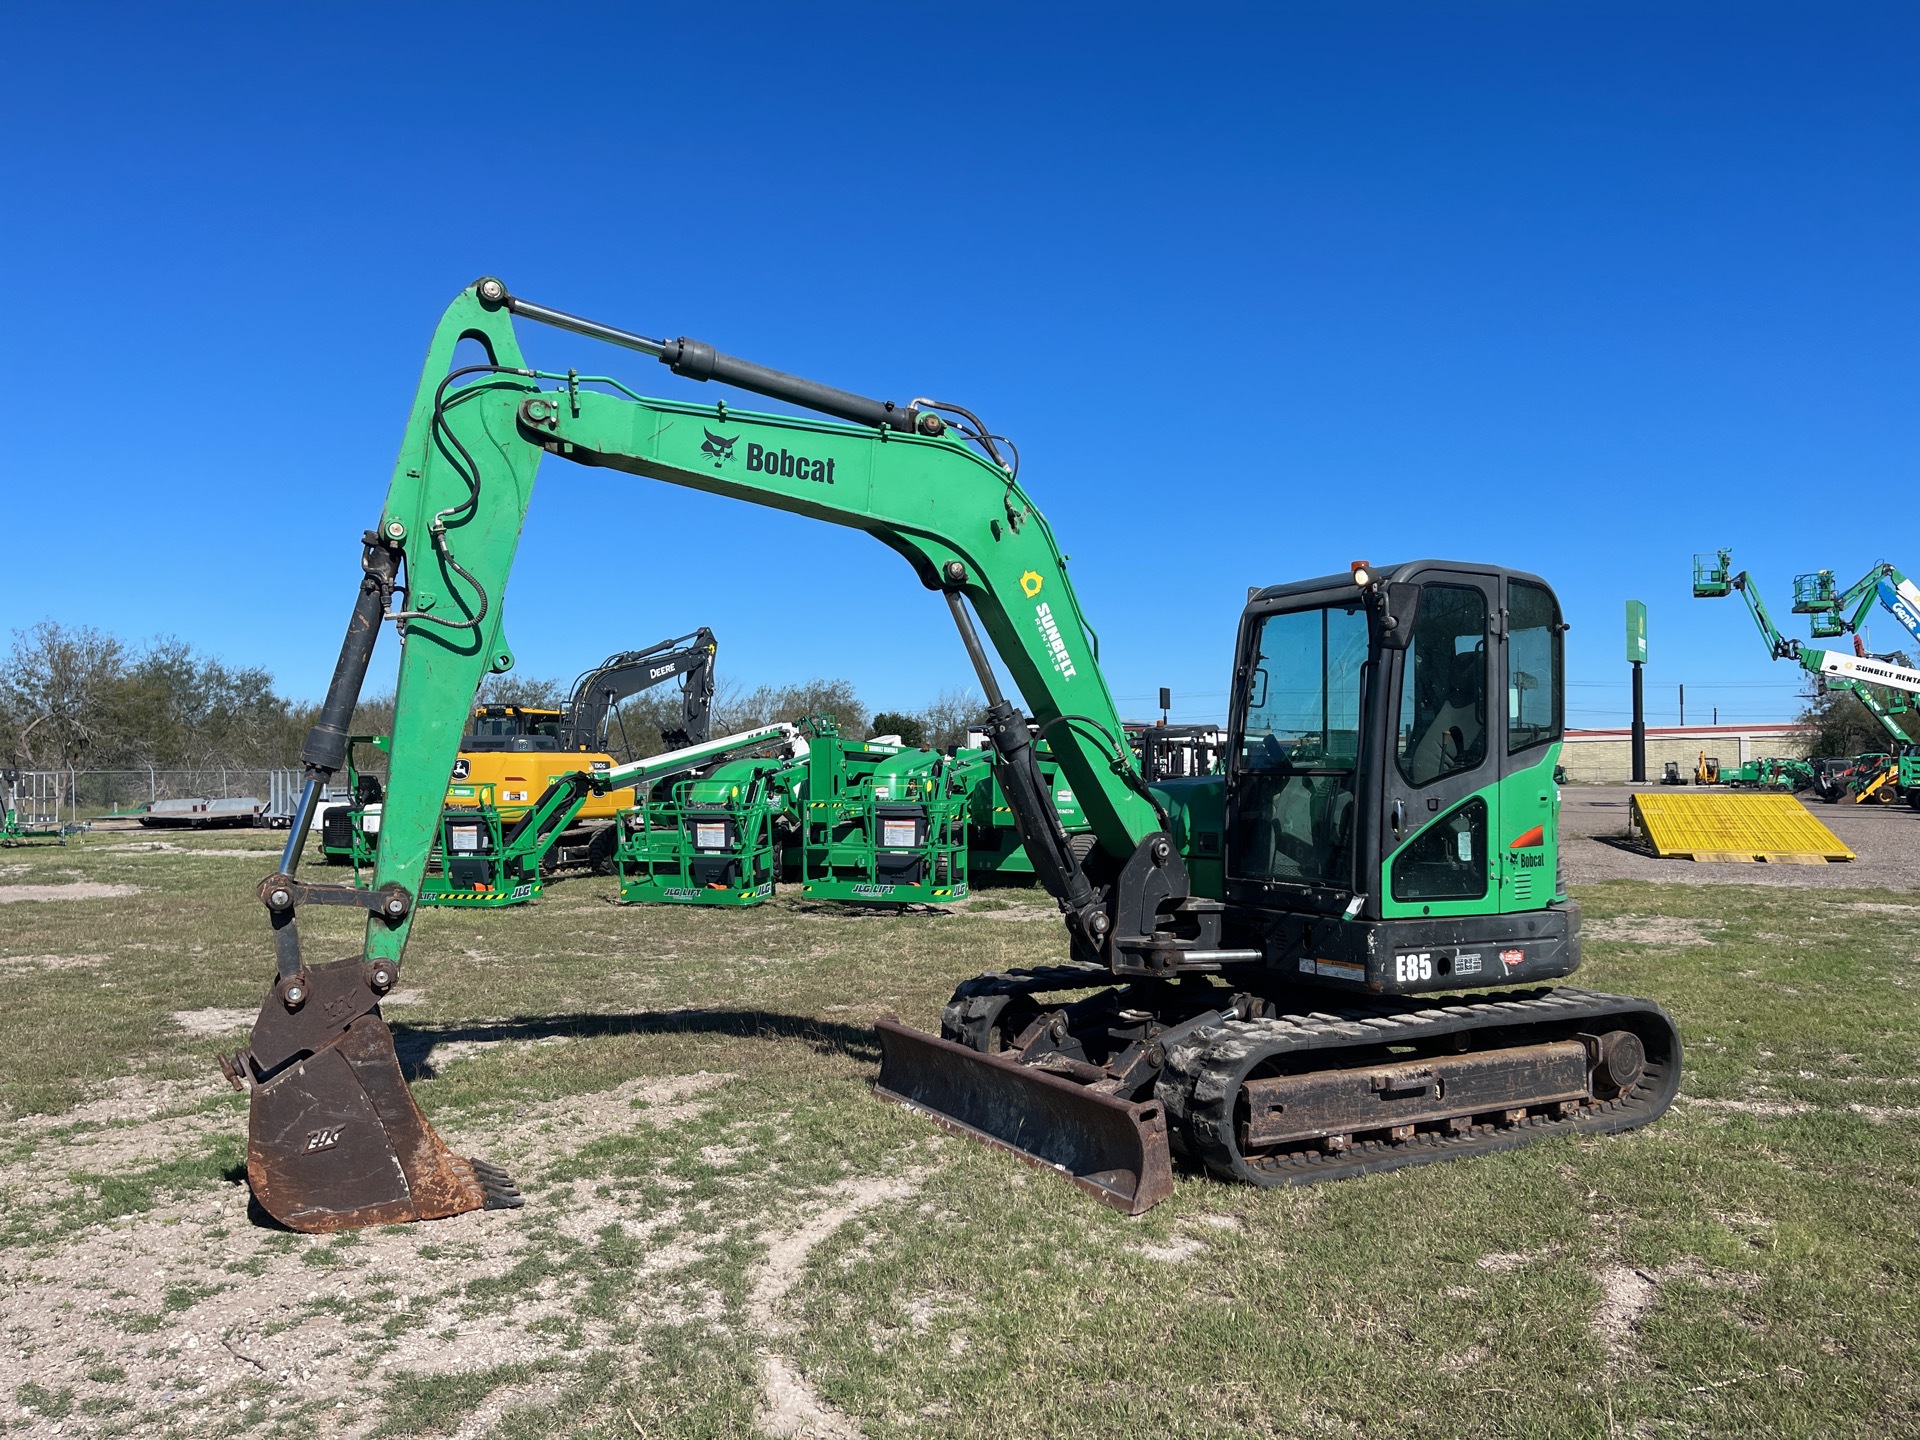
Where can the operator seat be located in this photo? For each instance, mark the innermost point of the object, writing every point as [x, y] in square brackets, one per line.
[1455, 736]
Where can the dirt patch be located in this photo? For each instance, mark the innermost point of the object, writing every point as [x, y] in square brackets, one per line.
[786, 1257]
[1626, 1294]
[213, 1022]
[1770, 1109]
[791, 1407]
[189, 1308]
[1506, 1262]
[122, 1099]
[1666, 932]
[1884, 1114]
[1022, 915]
[74, 890]
[167, 847]
[489, 1412]
[582, 1119]
[1174, 1252]
[50, 962]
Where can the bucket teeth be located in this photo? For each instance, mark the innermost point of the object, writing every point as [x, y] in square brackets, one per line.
[498, 1186]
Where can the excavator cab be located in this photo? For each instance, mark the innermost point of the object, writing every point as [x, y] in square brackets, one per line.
[1382, 800]
[519, 728]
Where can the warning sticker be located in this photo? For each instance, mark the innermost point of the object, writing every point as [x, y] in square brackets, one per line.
[710, 837]
[897, 834]
[1334, 969]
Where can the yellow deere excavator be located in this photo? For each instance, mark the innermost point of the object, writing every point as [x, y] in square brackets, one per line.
[1277, 972]
[511, 754]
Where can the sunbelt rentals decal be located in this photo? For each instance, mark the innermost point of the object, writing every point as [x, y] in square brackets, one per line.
[1050, 637]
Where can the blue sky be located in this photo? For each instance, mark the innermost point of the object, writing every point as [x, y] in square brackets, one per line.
[1580, 288]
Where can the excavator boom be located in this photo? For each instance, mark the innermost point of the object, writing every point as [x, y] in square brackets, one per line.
[325, 1084]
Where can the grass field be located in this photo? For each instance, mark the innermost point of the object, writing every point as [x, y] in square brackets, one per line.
[726, 1235]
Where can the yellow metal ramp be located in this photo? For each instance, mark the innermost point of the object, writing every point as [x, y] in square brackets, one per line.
[1773, 828]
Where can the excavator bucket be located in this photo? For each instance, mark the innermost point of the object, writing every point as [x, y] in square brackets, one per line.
[1114, 1149]
[335, 1140]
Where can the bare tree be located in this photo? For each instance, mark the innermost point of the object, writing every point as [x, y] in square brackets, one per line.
[54, 693]
[766, 704]
[945, 721]
[535, 691]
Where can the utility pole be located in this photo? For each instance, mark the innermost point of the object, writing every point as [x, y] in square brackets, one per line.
[1637, 656]
[1683, 707]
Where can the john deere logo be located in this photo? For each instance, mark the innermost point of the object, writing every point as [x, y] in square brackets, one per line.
[1030, 584]
[461, 769]
[720, 447]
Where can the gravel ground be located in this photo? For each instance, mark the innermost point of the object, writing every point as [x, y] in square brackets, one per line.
[1882, 836]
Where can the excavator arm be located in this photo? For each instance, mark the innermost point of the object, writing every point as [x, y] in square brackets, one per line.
[336, 1139]
[619, 677]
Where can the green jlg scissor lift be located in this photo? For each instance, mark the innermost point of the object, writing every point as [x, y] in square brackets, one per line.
[861, 822]
[869, 822]
[885, 824]
[713, 839]
[18, 826]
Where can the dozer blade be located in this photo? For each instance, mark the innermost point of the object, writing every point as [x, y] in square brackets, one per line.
[1114, 1149]
[335, 1140]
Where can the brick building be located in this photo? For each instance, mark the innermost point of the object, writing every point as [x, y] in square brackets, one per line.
[1605, 757]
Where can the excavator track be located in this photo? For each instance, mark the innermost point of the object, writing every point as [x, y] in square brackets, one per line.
[1269, 1096]
[1516, 1063]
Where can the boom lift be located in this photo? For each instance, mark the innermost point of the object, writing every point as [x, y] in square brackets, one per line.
[1834, 612]
[1383, 835]
[1855, 673]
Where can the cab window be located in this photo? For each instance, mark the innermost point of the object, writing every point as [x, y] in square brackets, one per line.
[1447, 860]
[1443, 687]
[1300, 747]
[1534, 703]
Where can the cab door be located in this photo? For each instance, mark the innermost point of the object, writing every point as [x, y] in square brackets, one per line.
[1440, 793]
[1530, 653]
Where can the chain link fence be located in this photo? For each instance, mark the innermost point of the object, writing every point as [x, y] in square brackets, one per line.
[77, 796]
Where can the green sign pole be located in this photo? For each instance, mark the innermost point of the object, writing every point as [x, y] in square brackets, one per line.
[1637, 656]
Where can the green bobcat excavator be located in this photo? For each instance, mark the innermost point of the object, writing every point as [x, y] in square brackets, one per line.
[1272, 971]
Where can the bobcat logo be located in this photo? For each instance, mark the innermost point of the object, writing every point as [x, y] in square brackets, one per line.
[720, 447]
